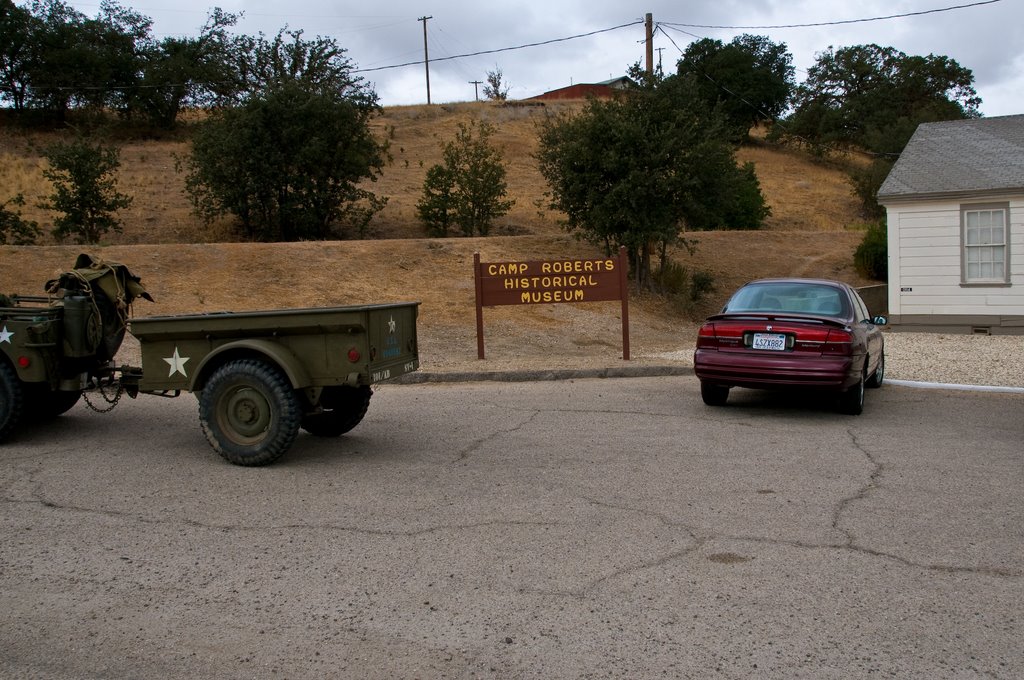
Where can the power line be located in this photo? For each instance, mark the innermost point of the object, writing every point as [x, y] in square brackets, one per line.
[504, 49]
[439, 41]
[837, 23]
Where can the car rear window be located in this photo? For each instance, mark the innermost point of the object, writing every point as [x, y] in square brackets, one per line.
[799, 298]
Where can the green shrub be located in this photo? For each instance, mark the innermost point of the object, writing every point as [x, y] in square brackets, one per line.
[872, 255]
[467, 191]
[683, 287]
[14, 230]
[85, 192]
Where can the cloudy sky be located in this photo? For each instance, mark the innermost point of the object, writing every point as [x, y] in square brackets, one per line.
[986, 36]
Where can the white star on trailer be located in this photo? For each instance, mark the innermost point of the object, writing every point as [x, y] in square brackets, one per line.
[391, 324]
[177, 363]
[6, 335]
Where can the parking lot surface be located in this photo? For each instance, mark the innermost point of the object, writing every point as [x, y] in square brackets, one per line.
[575, 528]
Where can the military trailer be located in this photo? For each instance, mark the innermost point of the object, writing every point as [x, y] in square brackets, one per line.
[259, 377]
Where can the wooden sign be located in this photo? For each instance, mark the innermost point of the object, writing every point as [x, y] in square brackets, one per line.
[551, 281]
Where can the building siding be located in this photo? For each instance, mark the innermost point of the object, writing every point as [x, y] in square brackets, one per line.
[944, 166]
[925, 265]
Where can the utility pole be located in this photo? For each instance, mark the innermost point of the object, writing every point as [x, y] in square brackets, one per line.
[660, 50]
[649, 27]
[645, 265]
[426, 58]
[476, 89]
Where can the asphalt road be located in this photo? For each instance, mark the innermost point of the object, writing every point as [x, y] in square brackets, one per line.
[589, 528]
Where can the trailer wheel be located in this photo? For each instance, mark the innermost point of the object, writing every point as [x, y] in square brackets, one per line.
[11, 400]
[343, 408]
[249, 412]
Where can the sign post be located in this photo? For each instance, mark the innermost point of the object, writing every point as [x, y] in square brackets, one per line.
[551, 281]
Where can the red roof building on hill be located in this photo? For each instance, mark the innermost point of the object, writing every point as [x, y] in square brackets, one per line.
[602, 90]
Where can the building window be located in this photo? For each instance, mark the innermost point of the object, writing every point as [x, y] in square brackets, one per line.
[985, 254]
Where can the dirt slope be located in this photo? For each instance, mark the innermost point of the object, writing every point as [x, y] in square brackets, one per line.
[438, 273]
[191, 267]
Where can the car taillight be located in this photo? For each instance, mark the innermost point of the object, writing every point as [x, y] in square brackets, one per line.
[706, 338]
[838, 342]
[811, 339]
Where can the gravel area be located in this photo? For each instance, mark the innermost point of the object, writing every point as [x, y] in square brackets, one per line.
[959, 359]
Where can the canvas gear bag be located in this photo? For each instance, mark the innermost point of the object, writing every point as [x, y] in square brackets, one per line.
[97, 298]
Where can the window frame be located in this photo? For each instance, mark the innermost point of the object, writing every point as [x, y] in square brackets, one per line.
[1004, 279]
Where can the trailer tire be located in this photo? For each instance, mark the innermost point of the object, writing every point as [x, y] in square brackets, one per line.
[342, 407]
[249, 412]
[12, 400]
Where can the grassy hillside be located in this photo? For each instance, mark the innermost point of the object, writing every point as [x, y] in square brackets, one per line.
[194, 268]
[804, 195]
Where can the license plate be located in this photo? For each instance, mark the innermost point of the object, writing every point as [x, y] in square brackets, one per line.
[775, 342]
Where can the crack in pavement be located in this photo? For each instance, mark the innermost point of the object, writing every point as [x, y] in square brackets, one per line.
[849, 544]
[700, 539]
[228, 528]
[859, 494]
[474, 445]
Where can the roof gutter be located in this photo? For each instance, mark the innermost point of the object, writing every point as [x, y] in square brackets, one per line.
[1003, 193]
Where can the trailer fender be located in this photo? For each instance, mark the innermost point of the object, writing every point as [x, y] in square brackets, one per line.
[273, 352]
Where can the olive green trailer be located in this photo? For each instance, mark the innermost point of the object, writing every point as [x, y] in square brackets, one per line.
[259, 377]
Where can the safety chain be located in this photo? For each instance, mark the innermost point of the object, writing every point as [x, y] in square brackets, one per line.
[112, 401]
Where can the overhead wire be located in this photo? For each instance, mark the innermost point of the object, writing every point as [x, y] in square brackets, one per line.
[838, 22]
[503, 49]
[441, 39]
[676, 26]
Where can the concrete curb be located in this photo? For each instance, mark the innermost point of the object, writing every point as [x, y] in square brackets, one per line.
[543, 374]
[421, 377]
[956, 386]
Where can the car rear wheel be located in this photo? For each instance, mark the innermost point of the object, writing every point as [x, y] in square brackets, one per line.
[42, 403]
[879, 375]
[11, 400]
[714, 395]
[851, 401]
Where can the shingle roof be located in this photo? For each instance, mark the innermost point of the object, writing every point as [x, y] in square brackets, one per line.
[984, 155]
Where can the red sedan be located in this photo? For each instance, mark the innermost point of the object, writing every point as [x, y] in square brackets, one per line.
[792, 333]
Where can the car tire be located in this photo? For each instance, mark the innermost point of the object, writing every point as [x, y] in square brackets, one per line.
[851, 401]
[879, 375]
[42, 403]
[714, 395]
[12, 400]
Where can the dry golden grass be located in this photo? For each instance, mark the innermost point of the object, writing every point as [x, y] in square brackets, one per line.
[804, 194]
[192, 267]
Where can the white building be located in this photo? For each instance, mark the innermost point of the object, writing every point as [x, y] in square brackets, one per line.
[955, 207]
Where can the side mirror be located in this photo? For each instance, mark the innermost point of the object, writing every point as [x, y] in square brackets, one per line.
[879, 321]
